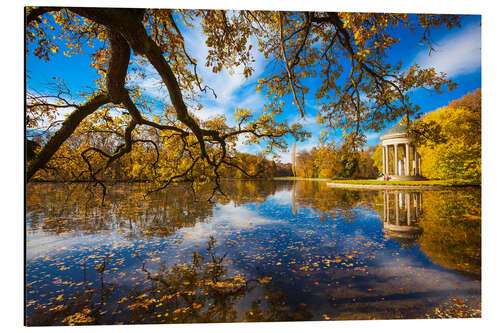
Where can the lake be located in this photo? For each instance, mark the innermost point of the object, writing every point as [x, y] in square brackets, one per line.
[267, 251]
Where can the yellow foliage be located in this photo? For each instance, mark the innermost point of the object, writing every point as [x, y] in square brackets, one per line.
[459, 156]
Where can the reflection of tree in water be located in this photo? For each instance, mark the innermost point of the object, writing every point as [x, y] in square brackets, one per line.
[196, 292]
[249, 191]
[202, 292]
[330, 202]
[452, 230]
[69, 208]
[446, 225]
[63, 208]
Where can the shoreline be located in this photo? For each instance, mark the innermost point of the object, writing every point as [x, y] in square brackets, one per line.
[397, 187]
[390, 184]
[334, 183]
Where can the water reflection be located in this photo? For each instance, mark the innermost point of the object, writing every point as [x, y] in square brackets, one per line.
[402, 211]
[269, 251]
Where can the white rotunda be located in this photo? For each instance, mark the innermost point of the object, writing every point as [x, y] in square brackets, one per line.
[400, 158]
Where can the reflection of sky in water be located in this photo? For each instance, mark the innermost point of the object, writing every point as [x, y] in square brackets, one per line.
[334, 265]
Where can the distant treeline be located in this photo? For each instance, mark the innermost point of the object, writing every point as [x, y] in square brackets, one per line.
[335, 162]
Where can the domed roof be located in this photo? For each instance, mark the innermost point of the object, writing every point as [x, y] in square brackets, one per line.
[398, 129]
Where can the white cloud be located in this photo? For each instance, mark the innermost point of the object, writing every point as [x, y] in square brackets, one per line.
[207, 113]
[307, 145]
[152, 84]
[456, 54]
[252, 101]
[281, 197]
[43, 244]
[224, 83]
[308, 121]
[227, 219]
[372, 138]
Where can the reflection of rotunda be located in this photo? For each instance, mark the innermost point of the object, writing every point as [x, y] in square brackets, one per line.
[400, 159]
[402, 211]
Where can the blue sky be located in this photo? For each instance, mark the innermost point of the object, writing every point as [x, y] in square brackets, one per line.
[458, 53]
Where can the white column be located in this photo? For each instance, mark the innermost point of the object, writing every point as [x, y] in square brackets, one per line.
[383, 160]
[418, 205]
[387, 159]
[407, 160]
[413, 165]
[395, 159]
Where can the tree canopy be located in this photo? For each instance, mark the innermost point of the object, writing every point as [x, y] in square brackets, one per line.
[456, 154]
[114, 119]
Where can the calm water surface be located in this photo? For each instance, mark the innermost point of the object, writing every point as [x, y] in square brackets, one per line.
[269, 251]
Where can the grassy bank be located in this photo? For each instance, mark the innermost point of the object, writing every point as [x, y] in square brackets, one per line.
[303, 178]
[445, 182]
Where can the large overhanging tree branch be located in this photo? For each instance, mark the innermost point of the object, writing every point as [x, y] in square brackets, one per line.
[123, 30]
[67, 128]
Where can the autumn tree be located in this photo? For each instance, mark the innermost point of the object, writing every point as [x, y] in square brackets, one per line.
[327, 161]
[456, 154]
[305, 164]
[365, 167]
[120, 40]
[377, 159]
[346, 52]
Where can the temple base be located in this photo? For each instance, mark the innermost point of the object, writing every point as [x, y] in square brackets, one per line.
[405, 178]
